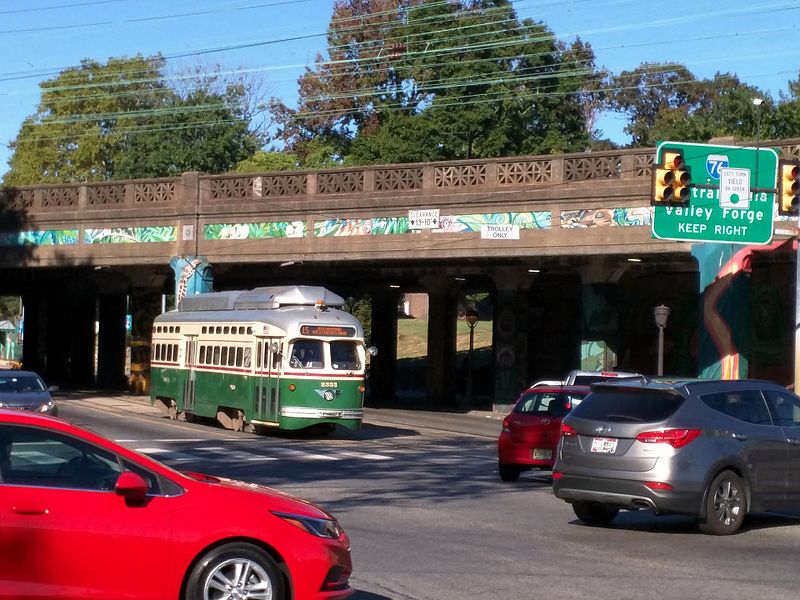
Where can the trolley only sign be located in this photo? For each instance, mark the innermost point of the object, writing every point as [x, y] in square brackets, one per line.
[732, 195]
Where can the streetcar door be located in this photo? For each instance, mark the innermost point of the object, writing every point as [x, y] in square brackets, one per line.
[267, 389]
[190, 356]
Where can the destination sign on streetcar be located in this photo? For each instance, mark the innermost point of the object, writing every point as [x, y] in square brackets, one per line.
[327, 331]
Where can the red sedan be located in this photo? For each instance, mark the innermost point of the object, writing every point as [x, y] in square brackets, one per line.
[82, 517]
[532, 429]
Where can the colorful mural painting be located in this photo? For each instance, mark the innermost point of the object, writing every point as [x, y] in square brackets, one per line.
[447, 224]
[52, 237]
[130, 235]
[193, 275]
[254, 231]
[607, 217]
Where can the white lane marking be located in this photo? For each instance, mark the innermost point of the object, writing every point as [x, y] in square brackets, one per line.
[364, 455]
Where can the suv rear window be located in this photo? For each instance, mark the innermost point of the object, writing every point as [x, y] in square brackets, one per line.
[628, 406]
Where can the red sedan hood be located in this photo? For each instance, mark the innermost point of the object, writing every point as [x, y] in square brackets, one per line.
[280, 501]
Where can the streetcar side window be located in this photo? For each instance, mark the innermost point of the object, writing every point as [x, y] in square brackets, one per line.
[224, 359]
[344, 356]
[202, 358]
[216, 355]
[247, 354]
[307, 354]
[239, 356]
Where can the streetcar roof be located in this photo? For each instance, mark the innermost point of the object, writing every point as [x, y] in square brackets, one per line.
[287, 318]
[261, 298]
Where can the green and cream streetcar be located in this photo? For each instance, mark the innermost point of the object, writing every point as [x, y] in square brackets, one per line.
[272, 357]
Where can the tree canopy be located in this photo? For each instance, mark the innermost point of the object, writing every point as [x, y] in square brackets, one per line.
[430, 80]
[122, 119]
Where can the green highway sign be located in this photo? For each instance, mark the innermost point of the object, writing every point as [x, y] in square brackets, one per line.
[731, 194]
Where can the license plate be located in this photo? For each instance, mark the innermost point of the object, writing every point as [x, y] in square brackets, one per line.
[604, 445]
[542, 453]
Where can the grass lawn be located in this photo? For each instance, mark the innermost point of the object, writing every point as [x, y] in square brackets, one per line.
[412, 337]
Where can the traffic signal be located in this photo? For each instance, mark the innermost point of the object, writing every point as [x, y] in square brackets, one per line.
[671, 179]
[788, 186]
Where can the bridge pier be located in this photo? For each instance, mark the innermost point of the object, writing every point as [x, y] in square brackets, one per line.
[440, 366]
[383, 367]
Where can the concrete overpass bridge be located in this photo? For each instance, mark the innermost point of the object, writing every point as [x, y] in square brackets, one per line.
[583, 269]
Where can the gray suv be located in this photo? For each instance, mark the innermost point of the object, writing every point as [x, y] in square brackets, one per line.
[713, 449]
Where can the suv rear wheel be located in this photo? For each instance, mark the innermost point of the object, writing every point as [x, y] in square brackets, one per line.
[725, 505]
[594, 513]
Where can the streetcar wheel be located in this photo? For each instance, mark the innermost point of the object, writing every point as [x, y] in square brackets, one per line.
[235, 571]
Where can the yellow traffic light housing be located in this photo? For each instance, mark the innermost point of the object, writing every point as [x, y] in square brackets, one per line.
[671, 179]
[788, 186]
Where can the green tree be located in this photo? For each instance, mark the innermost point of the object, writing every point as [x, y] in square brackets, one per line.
[647, 91]
[431, 80]
[722, 106]
[203, 131]
[123, 119]
[79, 127]
[264, 162]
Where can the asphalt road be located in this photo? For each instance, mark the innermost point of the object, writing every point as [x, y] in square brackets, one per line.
[429, 518]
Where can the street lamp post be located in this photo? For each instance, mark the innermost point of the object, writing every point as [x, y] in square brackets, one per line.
[661, 314]
[471, 317]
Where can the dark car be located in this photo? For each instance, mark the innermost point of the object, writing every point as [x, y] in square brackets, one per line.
[531, 430]
[712, 449]
[27, 391]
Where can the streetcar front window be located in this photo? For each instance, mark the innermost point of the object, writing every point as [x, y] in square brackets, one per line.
[307, 354]
[344, 356]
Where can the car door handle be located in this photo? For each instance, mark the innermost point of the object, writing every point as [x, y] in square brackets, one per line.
[739, 436]
[29, 510]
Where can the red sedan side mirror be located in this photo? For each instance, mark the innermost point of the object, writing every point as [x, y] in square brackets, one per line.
[131, 486]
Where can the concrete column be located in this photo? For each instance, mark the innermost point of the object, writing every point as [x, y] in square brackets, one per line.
[33, 342]
[383, 367]
[509, 337]
[724, 310]
[112, 310]
[441, 360]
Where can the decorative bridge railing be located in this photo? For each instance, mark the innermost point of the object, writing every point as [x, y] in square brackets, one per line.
[193, 211]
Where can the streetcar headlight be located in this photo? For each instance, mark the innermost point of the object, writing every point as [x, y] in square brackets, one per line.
[329, 395]
[324, 528]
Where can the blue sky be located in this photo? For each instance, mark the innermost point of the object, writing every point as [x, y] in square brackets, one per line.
[756, 39]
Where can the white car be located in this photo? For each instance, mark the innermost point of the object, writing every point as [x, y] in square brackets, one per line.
[578, 377]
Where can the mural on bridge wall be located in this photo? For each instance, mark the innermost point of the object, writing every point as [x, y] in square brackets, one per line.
[447, 224]
[607, 217]
[130, 235]
[254, 231]
[51, 237]
[610, 217]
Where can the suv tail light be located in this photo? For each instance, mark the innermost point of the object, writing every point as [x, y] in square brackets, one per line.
[677, 438]
[568, 430]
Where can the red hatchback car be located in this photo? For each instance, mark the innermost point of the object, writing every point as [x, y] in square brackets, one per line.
[82, 517]
[531, 430]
